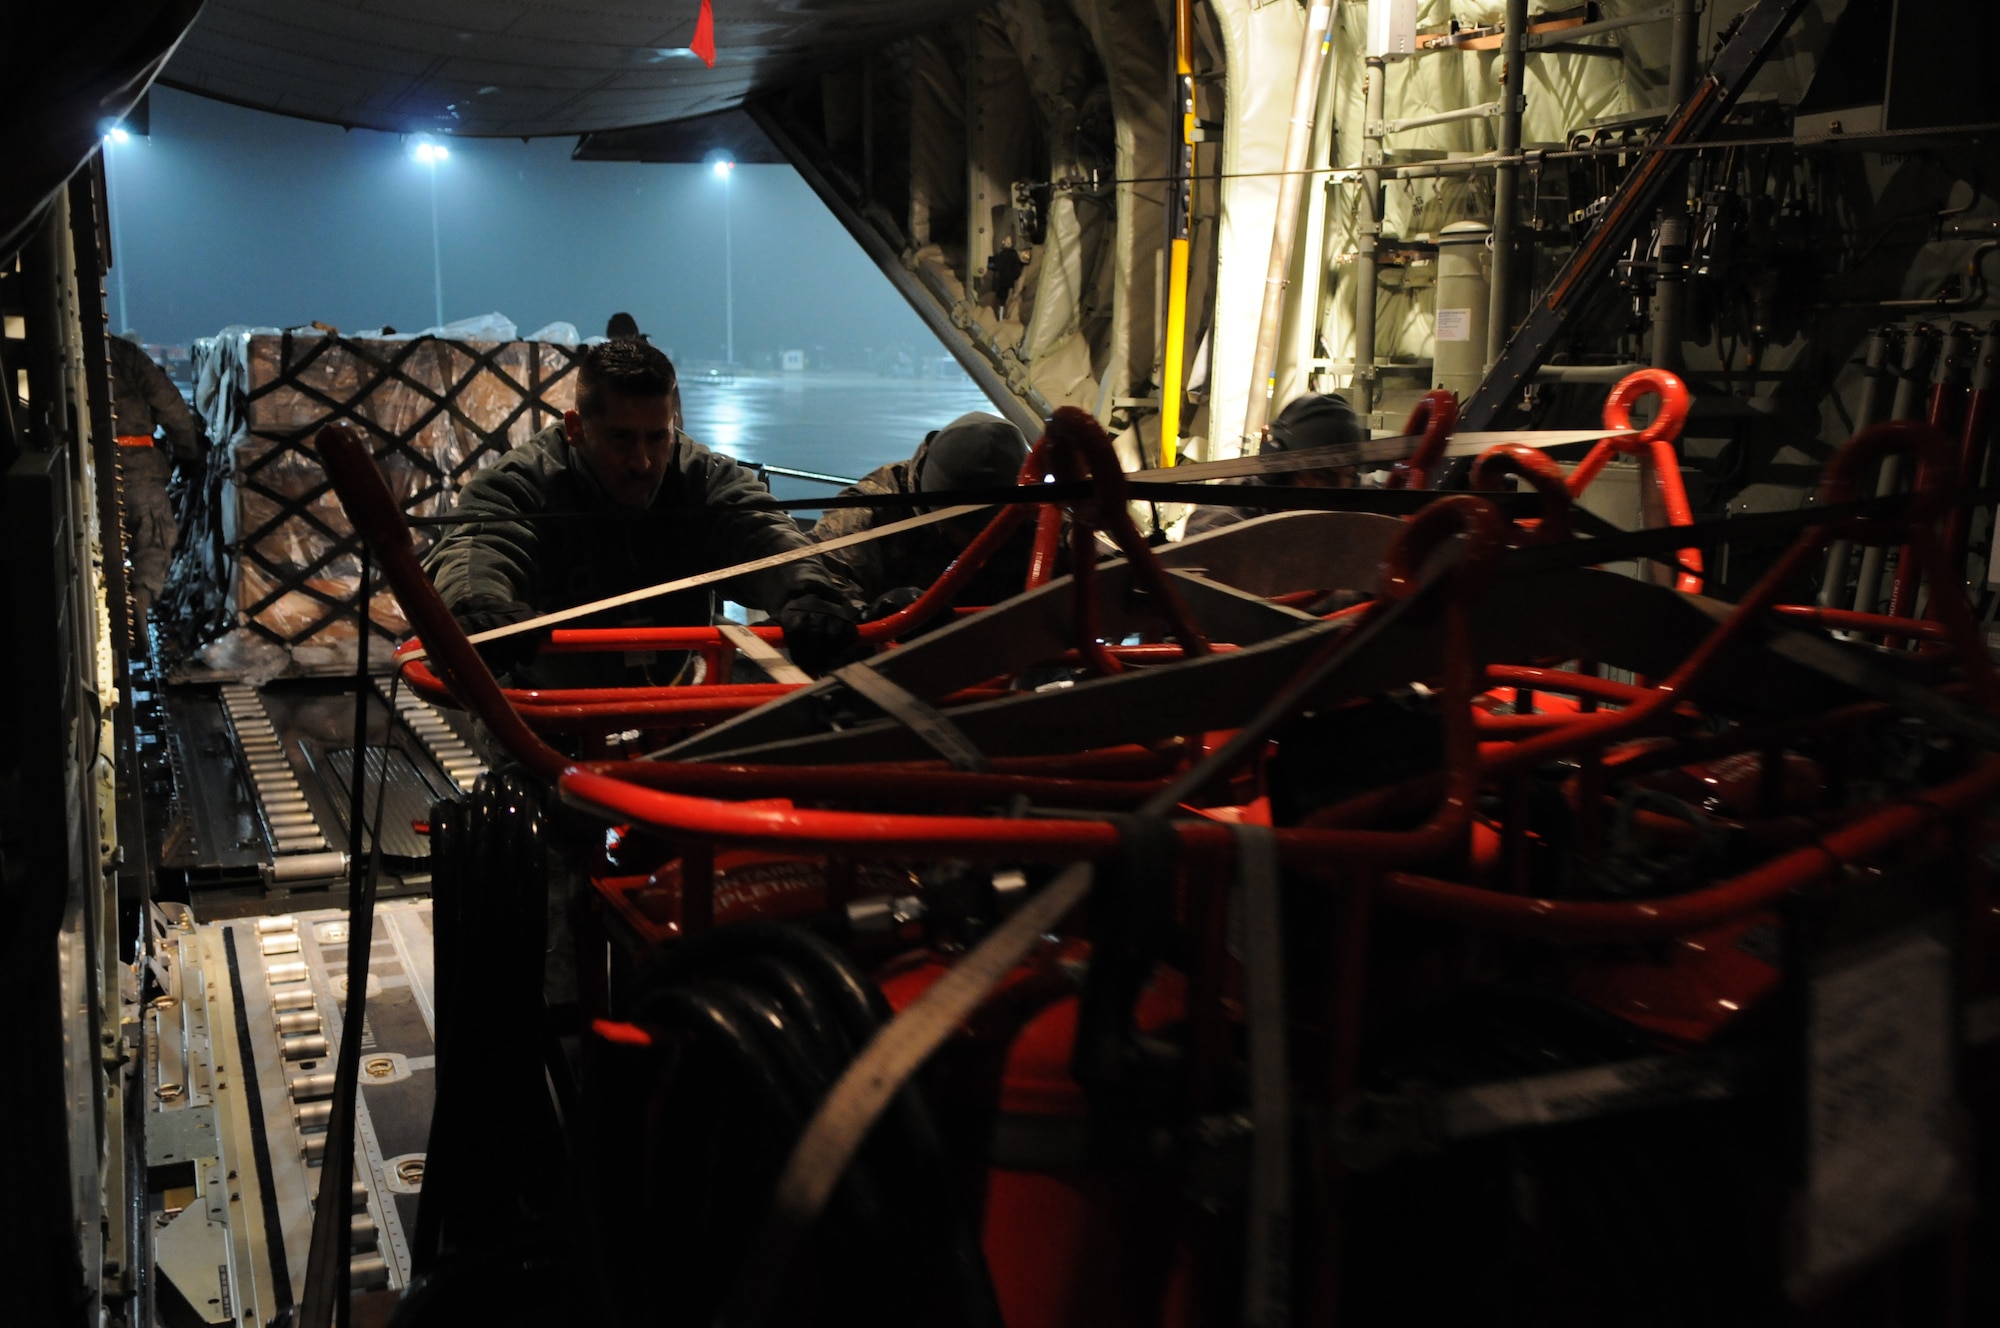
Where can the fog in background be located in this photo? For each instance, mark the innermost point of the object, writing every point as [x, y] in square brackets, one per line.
[226, 215]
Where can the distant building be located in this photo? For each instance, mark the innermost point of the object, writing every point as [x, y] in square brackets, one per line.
[793, 361]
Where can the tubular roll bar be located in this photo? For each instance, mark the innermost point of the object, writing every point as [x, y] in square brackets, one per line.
[646, 792]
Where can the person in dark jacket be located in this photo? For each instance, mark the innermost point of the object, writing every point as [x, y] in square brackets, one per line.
[974, 451]
[614, 499]
[145, 404]
[1318, 419]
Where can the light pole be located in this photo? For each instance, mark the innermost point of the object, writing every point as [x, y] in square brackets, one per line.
[429, 152]
[724, 167]
[116, 136]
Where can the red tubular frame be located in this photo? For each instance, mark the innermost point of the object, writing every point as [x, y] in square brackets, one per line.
[939, 596]
[1972, 442]
[1759, 888]
[614, 790]
[1079, 448]
[1435, 417]
[1048, 519]
[1870, 624]
[1659, 464]
[1946, 394]
[1542, 474]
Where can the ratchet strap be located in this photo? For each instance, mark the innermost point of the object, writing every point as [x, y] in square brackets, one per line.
[1131, 919]
[1371, 451]
[711, 579]
[1267, 1269]
[917, 715]
[325, 1297]
[761, 653]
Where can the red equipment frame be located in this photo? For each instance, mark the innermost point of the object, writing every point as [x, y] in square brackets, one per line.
[686, 806]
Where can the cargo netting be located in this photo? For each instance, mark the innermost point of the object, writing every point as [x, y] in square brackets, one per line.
[266, 578]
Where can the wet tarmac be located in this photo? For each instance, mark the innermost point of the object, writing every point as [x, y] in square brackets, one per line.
[837, 424]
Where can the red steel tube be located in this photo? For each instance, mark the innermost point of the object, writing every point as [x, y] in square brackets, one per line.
[1942, 412]
[938, 597]
[1435, 416]
[1542, 474]
[1319, 852]
[1657, 919]
[1048, 520]
[1972, 443]
[1562, 680]
[372, 510]
[1873, 624]
[591, 640]
[1659, 465]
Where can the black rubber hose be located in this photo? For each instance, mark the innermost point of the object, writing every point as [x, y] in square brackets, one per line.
[816, 1029]
[909, 1155]
[910, 1152]
[854, 1001]
[748, 1028]
[448, 849]
[758, 1035]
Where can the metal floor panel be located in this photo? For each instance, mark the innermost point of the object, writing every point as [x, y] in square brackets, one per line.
[265, 993]
[407, 796]
[212, 827]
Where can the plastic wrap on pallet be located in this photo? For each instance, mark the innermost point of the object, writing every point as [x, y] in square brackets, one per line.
[268, 569]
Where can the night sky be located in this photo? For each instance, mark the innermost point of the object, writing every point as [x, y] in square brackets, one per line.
[226, 215]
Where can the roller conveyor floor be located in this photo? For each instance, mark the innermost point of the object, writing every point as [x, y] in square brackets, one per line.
[250, 796]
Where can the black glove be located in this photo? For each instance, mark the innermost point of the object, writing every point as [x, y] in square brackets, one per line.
[483, 613]
[892, 602]
[818, 629]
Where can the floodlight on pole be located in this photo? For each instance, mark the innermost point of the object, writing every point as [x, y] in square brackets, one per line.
[723, 166]
[428, 152]
[116, 135]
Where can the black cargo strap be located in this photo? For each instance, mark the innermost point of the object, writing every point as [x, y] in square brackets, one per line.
[1267, 1269]
[325, 1296]
[1131, 915]
[917, 715]
[761, 653]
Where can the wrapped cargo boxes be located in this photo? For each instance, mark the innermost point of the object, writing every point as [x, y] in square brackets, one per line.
[267, 574]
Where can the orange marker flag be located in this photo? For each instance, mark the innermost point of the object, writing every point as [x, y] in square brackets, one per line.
[703, 44]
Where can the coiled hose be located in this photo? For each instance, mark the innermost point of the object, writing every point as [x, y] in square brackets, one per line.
[744, 1029]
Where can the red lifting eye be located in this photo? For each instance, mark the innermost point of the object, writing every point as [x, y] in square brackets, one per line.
[1666, 426]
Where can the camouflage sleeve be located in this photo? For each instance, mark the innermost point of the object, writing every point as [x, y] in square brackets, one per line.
[862, 564]
[171, 410]
[745, 533]
[498, 557]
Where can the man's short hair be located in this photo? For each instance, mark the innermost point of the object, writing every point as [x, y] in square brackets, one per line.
[631, 367]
